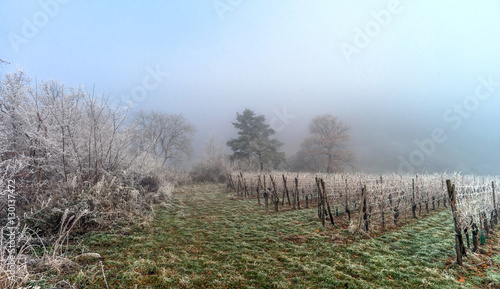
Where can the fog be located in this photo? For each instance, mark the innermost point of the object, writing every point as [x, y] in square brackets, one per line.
[418, 81]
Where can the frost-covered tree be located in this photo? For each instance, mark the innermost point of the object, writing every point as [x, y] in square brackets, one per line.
[60, 133]
[17, 137]
[167, 137]
[327, 147]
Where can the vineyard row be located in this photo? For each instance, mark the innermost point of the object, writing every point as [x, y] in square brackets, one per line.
[366, 202]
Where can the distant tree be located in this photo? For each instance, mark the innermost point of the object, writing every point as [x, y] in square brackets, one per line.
[326, 148]
[213, 151]
[254, 143]
[167, 136]
[214, 164]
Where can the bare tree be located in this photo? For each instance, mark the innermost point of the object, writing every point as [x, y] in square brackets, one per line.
[212, 150]
[167, 136]
[327, 144]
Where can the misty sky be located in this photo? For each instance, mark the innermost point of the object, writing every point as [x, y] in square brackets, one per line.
[418, 81]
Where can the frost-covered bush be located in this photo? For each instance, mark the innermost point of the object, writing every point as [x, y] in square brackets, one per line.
[66, 148]
[214, 166]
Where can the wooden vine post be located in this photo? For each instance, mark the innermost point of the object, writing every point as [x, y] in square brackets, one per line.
[347, 202]
[327, 202]
[495, 209]
[297, 195]
[381, 204]
[442, 188]
[307, 199]
[458, 233]
[414, 201]
[475, 233]
[230, 184]
[266, 198]
[362, 210]
[365, 213]
[266, 192]
[247, 193]
[276, 198]
[258, 191]
[485, 223]
[321, 203]
[285, 192]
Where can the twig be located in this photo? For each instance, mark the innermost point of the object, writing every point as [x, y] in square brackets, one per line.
[104, 275]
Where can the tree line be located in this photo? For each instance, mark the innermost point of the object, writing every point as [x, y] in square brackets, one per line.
[69, 149]
[325, 149]
[75, 162]
[61, 133]
[54, 133]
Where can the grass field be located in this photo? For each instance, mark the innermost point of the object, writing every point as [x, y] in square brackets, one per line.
[207, 239]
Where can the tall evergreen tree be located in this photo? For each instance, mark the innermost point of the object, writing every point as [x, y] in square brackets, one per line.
[254, 141]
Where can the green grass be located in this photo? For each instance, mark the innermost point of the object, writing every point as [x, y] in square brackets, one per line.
[205, 239]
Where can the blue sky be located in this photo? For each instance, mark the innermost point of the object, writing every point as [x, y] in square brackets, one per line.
[413, 62]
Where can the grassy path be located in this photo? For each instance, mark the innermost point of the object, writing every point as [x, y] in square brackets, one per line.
[204, 239]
